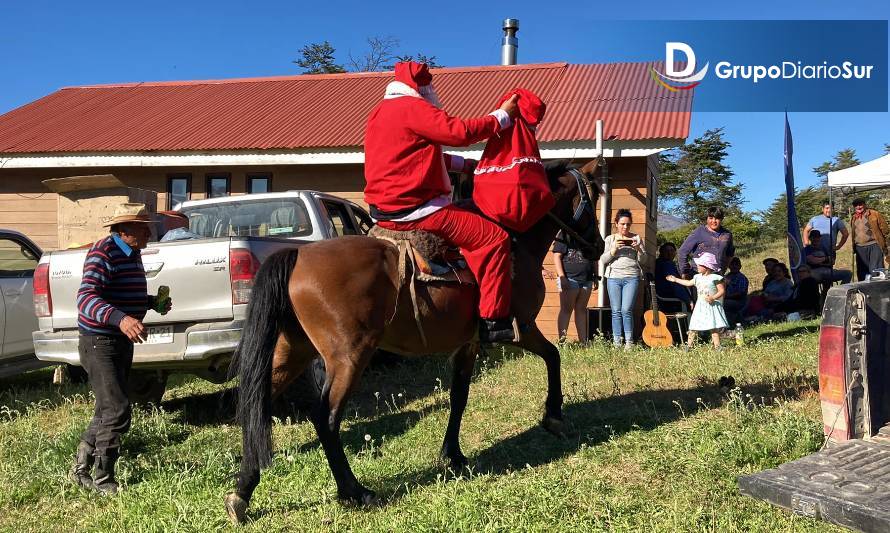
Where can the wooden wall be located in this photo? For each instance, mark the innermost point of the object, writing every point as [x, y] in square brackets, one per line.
[630, 184]
[27, 206]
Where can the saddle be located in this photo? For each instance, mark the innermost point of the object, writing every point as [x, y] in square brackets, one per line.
[431, 257]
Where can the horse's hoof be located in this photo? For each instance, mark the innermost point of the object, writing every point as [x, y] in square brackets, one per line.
[236, 508]
[361, 498]
[457, 462]
[554, 426]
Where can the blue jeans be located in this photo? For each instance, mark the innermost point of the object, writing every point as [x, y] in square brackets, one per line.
[622, 295]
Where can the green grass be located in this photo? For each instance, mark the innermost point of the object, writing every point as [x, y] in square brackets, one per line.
[653, 445]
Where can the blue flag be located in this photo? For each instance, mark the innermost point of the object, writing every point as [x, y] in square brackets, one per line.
[795, 245]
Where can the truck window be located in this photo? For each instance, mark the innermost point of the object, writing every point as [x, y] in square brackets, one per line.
[363, 222]
[251, 218]
[339, 218]
[16, 260]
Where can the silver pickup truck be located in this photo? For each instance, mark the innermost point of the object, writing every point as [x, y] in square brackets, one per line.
[210, 274]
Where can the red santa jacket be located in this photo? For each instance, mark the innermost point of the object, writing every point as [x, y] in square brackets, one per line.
[404, 167]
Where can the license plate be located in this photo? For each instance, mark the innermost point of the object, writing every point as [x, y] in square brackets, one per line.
[159, 335]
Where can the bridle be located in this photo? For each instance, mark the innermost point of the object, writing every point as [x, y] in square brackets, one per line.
[586, 205]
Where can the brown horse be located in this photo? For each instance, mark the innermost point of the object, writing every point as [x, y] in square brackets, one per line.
[341, 299]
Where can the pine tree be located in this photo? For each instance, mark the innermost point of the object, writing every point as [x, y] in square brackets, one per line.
[694, 177]
[318, 58]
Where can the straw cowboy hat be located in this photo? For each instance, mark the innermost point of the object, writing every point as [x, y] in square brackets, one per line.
[125, 213]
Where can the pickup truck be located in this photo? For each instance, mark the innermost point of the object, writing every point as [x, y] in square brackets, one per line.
[846, 482]
[18, 259]
[210, 274]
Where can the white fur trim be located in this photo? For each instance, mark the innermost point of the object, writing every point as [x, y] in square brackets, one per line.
[516, 161]
[503, 118]
[396, 89]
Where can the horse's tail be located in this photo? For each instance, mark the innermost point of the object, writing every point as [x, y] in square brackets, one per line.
[270, 307]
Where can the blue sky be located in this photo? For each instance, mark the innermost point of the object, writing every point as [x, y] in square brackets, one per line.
[46, 45]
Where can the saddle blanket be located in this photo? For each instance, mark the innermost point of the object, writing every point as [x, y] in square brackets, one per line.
[432, 258]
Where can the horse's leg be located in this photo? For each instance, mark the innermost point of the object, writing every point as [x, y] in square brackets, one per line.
[343, 372]
[464, 360]
[534, 341]
[290, 358]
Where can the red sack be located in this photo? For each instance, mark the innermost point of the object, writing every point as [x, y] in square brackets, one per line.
[510, 185]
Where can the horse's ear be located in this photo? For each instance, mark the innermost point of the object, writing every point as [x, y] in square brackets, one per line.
[590, 167]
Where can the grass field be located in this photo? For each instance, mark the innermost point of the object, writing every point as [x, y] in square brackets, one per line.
[654, 446]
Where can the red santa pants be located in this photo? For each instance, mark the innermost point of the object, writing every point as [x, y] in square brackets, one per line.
[484, 244]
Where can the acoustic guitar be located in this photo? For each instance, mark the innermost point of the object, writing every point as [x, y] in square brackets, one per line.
[655, 332]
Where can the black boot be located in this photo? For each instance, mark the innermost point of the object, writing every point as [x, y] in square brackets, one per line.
[496, 330]
[83, 465]
[104, 481]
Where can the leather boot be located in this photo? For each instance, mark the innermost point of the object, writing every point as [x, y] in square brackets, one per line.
[104, 481]
[83, 465]
[496, 330]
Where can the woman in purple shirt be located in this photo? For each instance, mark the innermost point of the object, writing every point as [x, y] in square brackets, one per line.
[709, 237]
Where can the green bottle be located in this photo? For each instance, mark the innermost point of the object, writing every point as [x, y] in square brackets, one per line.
[162, 299]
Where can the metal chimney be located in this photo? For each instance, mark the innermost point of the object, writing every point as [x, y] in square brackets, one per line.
[510, 42]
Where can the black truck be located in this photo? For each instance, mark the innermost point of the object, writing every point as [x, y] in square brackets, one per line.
[848, 481]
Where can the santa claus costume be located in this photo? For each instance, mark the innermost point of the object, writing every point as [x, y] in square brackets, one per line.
[408, 186]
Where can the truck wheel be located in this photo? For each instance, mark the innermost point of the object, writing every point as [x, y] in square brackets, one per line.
[305, 391]
[147, 387]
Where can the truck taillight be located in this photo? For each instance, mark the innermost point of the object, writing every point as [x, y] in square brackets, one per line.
[833, 382]
[43, 300]
[243, 266]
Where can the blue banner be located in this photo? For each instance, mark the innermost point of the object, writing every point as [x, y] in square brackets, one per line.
[795, 245]
[766, 65]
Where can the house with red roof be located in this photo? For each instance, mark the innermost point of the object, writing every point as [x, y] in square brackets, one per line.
[194, 139]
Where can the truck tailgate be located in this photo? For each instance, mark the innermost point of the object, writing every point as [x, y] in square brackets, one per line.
[197, 272]
[844, 484]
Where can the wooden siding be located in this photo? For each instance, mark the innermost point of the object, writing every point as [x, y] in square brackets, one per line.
[26, 205]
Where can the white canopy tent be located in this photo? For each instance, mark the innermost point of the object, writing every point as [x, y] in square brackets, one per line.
[868, 175]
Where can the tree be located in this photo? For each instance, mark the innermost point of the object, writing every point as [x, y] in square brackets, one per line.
[845, 158]
[807, 202]
[420, 58]
[318, 58]
[886, 148]
[693, 178]
[381, 52]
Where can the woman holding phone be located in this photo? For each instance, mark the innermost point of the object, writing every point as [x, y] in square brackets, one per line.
[623, 252]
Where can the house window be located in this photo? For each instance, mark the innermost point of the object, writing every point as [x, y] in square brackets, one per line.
[259, 183]
[218, 185]
[179, 189]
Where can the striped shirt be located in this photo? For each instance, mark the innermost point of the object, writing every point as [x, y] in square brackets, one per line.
[113, 286]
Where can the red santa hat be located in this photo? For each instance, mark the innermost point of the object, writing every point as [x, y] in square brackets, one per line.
[414, 75]
[417, 76]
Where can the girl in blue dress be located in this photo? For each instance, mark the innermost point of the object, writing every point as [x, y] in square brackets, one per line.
[708, 314]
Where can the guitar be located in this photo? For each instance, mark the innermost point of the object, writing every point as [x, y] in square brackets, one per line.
[655, 332]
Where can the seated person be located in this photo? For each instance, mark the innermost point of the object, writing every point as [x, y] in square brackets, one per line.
[805, 298]
[768, 265]
[736, 297]
[665, 266]
[779, 289]
[820, 262]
